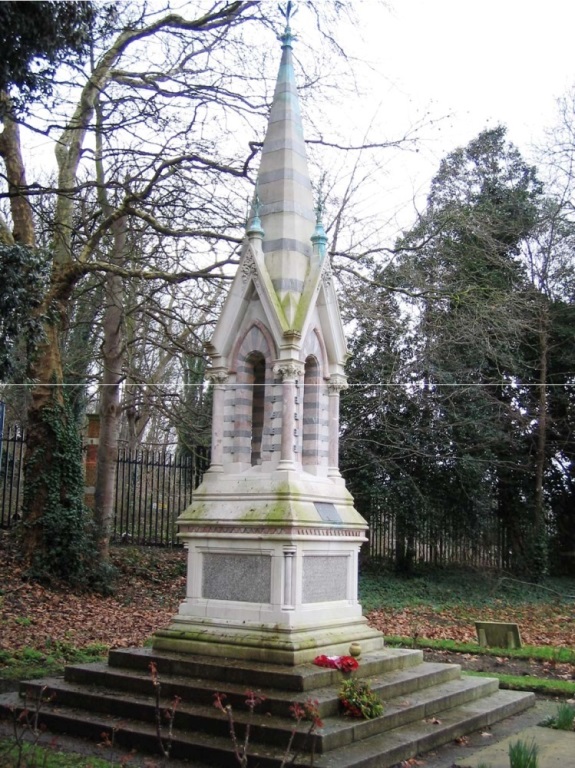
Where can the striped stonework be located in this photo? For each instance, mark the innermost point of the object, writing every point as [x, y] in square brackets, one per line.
[315, 422]
[248, 437]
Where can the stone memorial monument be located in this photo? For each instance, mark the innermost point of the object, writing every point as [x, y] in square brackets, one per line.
[272, 534]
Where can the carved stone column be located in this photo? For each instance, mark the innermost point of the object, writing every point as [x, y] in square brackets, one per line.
[289, 553]
[290, 371]
[334, 386]
[218, 377]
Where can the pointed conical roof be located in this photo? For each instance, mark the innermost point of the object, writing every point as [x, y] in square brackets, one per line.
[284, 187]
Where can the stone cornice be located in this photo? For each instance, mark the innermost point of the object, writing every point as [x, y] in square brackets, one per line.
[267, 530]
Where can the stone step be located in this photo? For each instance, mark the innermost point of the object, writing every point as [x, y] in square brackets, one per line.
[303, 677]
[378, 751]
[392, 747]
[201, 748]
[426, 704]
[278, 702]
[266, 728]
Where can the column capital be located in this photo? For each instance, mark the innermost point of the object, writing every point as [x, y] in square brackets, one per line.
[336, 383]
[217, 375]
[288, 369]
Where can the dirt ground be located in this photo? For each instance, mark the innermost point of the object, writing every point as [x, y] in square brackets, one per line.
[503, 665]
[152, 583]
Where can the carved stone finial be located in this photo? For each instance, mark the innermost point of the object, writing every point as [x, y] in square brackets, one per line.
[288, 12]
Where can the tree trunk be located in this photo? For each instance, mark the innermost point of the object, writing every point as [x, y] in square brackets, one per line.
[45, 367]
[23, 223]
[113, 361]
[539, 498]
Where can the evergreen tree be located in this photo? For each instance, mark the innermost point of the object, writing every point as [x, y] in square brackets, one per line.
[465, 419]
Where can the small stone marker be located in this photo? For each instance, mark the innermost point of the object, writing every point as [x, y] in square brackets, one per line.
[498, 634]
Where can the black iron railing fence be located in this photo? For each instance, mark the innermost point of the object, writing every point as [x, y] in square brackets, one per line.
[11, 465]
[437, 539]
[154, 486]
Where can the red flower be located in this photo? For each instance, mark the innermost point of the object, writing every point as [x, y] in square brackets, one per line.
[343, 663]
[347, 664]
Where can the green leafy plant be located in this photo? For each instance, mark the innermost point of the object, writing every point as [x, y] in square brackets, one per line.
[69, 551]
[24, 280]
[358, 700]
[563, 719]
[523, 754]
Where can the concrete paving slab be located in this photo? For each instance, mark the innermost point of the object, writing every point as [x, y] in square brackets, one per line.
[491, 746]
[556, 749]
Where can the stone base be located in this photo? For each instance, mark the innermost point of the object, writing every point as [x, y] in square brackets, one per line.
[270, 644]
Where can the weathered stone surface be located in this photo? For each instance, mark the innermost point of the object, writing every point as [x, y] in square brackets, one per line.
[498, 634]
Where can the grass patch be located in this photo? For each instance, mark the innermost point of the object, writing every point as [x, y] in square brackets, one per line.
[529, 683]
[523, 754]
[30, 663]
[535, 652]
[380, 587]
[37, 756]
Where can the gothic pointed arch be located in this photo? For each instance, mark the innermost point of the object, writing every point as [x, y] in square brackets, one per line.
[315, 345]
[256, 338]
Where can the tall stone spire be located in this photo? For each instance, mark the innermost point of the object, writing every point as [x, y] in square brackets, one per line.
[284, 188]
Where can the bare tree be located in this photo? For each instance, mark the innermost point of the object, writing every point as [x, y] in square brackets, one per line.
[153, 175]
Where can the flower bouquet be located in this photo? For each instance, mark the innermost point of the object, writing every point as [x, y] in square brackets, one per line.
[343, 663]
[358, 700]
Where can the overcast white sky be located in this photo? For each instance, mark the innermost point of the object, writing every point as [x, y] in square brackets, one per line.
[487, 61]
[483, 62]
